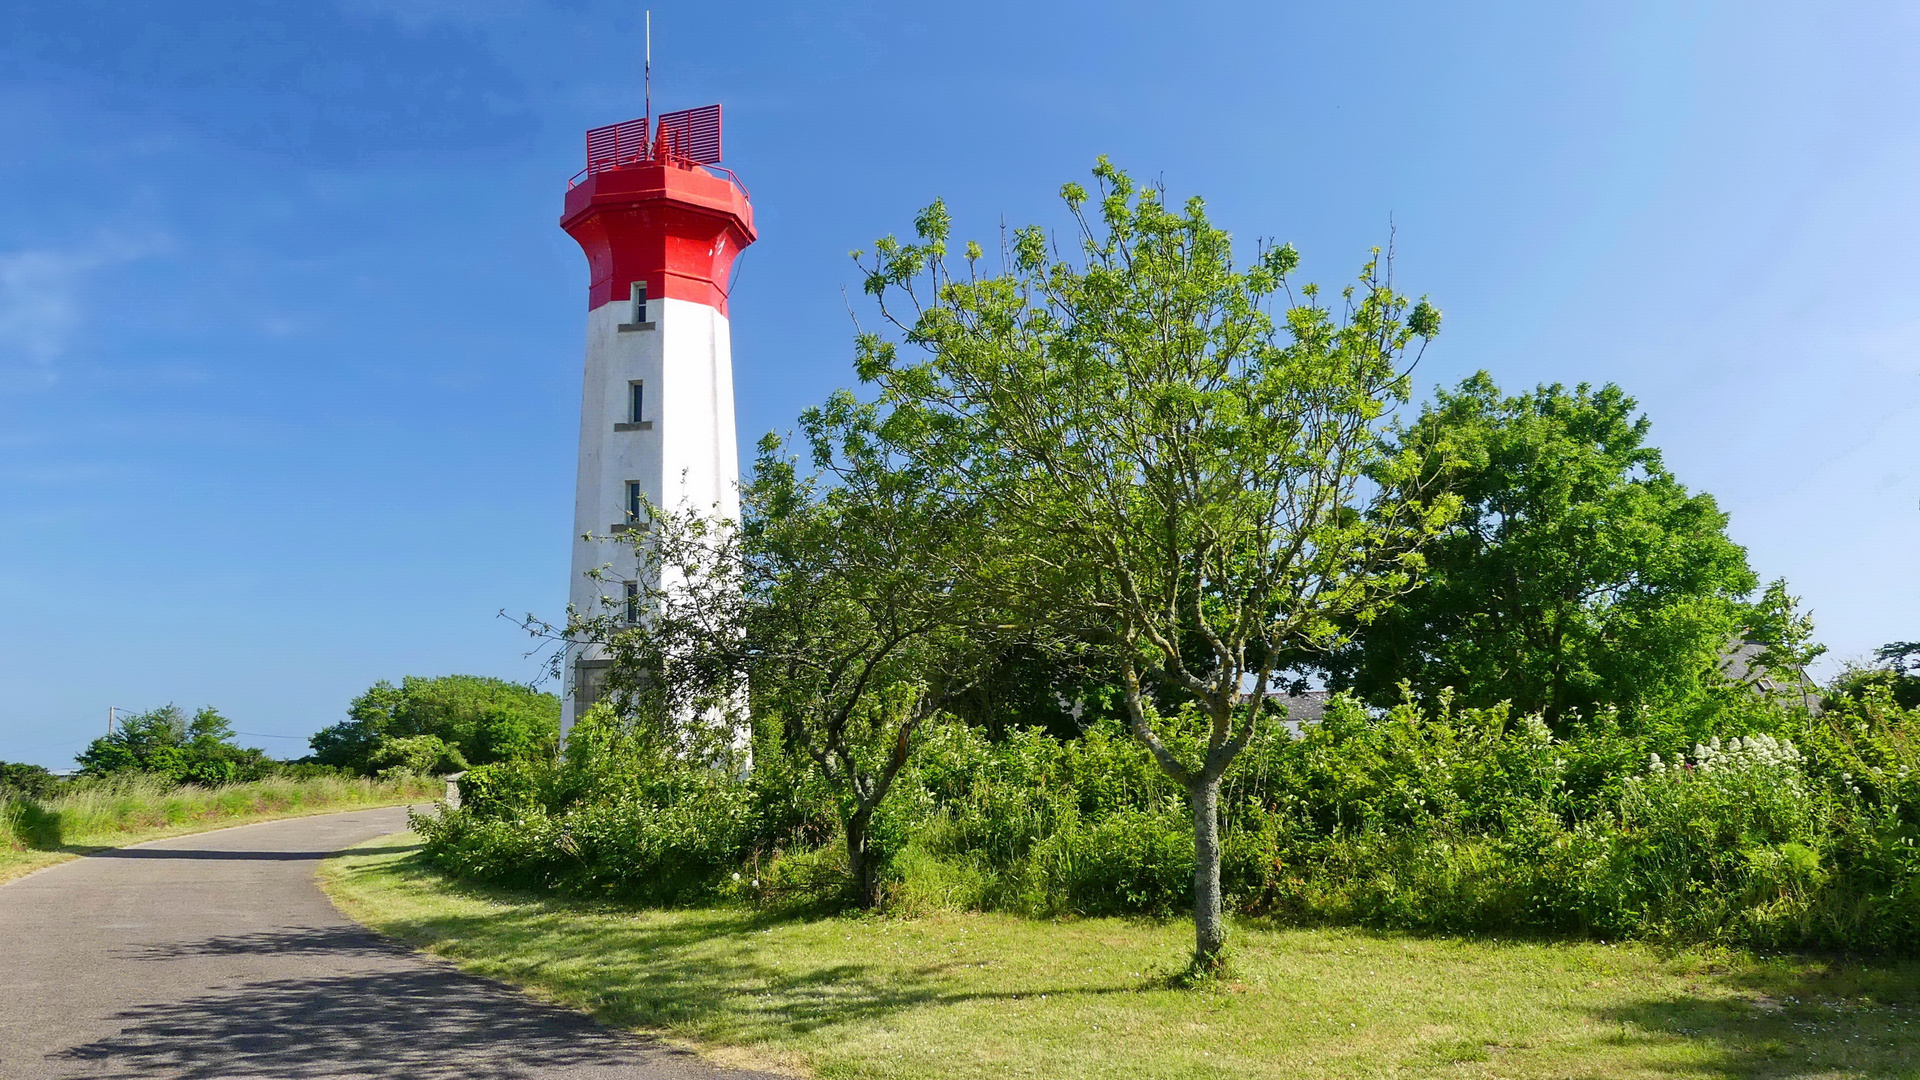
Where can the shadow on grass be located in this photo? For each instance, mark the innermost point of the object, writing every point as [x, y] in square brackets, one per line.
[1740, 1015]
[702, 972]
[1790, 1018]
[699, 971]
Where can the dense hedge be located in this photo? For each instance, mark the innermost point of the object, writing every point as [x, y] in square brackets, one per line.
[1782, 830]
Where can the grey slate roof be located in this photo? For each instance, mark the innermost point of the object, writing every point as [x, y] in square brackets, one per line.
[1740, 664]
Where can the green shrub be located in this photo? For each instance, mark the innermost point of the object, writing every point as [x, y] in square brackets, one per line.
[1787, 830]
[31, 781]
[1130, 861]
[504, 789]
[483, 720]
[615, 817]
[414, 755]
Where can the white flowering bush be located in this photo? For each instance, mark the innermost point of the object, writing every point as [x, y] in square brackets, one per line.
[1739, 755]
[1711, 841]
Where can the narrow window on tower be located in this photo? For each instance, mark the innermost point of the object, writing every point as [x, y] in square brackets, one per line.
[636, 408]
[634, 502]
[637, 308]
[633, 601]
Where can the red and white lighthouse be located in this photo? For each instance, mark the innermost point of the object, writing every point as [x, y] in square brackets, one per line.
[661, 223]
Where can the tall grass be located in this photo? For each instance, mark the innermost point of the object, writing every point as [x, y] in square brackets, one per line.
[117, 809]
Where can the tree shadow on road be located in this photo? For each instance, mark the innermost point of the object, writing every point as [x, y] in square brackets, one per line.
[193, 853]
[423, 1022]
[335, 941]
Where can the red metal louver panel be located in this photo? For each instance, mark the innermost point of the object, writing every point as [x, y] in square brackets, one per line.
[690, 137]
[616, 144]
[691, 134]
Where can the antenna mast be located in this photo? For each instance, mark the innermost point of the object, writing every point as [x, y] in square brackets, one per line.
[647, 70]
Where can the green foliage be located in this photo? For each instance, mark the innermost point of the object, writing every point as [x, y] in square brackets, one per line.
[414, 755]
[1896, 678]
[181, 749]
[478, 719]
[1581, 574]
[833, 608]
[501, 789]
[618, 816]
[32, 781]
[863, 629]
[1800, 832]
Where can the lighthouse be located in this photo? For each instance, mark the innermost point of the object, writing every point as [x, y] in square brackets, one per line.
[661, 223]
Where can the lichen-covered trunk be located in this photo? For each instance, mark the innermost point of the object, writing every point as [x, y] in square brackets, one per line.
[1209, 929]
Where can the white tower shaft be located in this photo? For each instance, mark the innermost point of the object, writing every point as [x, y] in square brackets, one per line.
[656, 416]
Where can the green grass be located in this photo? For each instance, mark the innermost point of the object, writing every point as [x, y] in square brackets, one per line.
[40, 832]
[964, 996]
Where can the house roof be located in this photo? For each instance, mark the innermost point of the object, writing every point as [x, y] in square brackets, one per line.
[1742, 664]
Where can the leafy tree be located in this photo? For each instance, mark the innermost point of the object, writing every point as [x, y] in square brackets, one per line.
[135, 742]
[165, 741]
[483, 719]
[352, 742]
[1029, 686]
[1579, 574]
[1167, 474]
[1901, 656]
[862, 630]
[1896, 676]
[833, 606]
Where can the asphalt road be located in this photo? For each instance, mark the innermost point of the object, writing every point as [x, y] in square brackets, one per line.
[216, 955]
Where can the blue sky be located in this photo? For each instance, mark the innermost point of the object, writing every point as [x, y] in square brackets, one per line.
[290, 341]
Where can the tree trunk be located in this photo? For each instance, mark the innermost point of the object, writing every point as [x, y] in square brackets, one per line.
[1209, 930]
[860, 865]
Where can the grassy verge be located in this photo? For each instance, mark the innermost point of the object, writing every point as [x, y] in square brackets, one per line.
[966, 996]
[36, 833]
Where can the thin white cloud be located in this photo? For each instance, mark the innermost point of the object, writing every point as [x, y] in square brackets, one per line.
[39, 302]
[42, 297]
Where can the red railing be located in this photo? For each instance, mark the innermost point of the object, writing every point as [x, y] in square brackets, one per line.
[688, 137]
